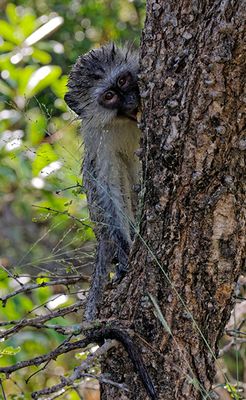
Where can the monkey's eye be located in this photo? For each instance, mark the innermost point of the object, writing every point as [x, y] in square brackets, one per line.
[121, 81]
[124, 80]
[109, 95]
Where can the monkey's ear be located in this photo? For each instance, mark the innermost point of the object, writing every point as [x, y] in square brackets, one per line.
[71, 102]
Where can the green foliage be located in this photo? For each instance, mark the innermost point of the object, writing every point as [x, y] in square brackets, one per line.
[9, 351]
[233, 392]
[37, 143]
[43, 225]
[29, 343]
[40, 152]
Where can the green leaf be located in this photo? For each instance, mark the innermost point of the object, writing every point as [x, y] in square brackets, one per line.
[12, 70]
[82, 356]
[36, 125]
[59, 86]
[3, 274]
[41, 280]
[11, 13]
[233, 392]
[42, 78]
[6, 89]
[41, 56]
[44, 156]
[24, 78]
[8, 32]
[6, 46]
[10, 351]
[27, 24]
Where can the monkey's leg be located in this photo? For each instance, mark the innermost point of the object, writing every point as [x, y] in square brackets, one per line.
[105, 254]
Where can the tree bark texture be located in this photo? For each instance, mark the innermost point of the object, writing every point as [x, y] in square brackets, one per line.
[178, 293]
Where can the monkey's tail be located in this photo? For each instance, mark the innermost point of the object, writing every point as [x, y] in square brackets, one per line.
[133, 351]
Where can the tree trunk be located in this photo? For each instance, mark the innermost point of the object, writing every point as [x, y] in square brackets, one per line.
[178, 293]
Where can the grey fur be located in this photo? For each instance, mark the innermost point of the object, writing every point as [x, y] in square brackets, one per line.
[110, 167]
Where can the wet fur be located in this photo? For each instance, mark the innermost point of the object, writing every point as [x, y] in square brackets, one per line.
[110, 167]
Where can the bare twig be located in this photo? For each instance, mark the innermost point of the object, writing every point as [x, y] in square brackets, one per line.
[234, 342]
[62, 349]
[100, 378]
[81, 221]
[39, 321]
[79, 371]
[69, 280]
[2, 389]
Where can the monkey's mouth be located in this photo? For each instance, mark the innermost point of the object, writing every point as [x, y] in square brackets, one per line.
[133, 114]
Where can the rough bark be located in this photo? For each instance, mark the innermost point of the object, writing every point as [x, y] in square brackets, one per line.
[191, 247]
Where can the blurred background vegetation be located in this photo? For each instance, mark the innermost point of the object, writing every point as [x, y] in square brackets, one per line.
[39, 146]
[44, 226]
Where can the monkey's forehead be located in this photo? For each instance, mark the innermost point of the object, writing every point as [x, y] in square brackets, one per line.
[110, 53]
[107, 60]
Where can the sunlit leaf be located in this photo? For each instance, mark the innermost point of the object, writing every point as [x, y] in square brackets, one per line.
[3, 59]
[59, 87]
[11, 13]
[36, 126]
[8, 32]
[6, 89]
[42, 78]
[6, 65]
[24, 78]
[10, 351]
[6, 46]
[44, 30]
[44, 156]
[3, 274]
[233, 391]
[42, 56]
[27, 24]
[41, 280]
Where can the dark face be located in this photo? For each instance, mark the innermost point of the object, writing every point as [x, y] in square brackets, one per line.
[102, 86]
[123, 96]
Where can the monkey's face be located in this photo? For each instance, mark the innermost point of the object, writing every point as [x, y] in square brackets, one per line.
[103, 86]
[121, 98]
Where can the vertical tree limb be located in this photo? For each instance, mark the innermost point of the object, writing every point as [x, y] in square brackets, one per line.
[191, 249]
